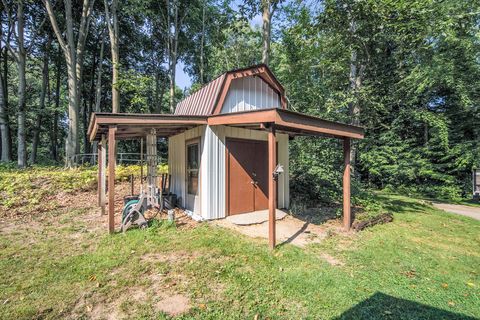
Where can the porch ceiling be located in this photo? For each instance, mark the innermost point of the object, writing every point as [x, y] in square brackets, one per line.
[289, 122]
[131, 126]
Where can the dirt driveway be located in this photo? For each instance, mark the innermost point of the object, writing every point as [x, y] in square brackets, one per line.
[468, 211]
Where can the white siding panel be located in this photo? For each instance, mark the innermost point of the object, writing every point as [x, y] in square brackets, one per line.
[250, 93]
[176, 164]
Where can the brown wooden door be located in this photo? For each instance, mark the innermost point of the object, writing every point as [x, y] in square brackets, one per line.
[260, 172]
[247, 178]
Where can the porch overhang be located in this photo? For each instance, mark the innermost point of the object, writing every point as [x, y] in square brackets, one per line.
[289, 122]
[132, 126]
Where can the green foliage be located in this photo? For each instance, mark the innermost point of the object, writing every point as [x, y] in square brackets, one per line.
[417, 95]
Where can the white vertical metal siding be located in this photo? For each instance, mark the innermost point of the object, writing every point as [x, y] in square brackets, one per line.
[177, 162]
[250, 93]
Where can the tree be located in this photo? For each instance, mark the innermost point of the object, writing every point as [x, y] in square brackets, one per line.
[20, 56]
[267, 9]
[43, 93]
[112, 23]
[74, 53]
[175, 15]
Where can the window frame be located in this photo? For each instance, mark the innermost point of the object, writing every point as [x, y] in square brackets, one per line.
[189, 143]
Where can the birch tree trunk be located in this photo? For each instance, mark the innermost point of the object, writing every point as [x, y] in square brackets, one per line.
[112, 22]
[41, 109]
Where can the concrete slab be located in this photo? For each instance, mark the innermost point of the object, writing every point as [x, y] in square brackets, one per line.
[256, 217]
[289, 230]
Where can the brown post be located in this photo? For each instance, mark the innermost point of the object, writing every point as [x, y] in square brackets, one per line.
[102, 165]
[272, 186]
[111, 178]
[100, 173]
[131, 184]
[347, 214]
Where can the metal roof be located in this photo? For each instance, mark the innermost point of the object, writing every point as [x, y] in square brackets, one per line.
[202, 101]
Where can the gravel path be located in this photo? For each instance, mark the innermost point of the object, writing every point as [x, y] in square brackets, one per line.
[468, 211]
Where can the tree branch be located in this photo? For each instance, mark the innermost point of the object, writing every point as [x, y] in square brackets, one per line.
[56, 29]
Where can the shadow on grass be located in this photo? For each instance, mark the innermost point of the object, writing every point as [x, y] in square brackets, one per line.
[383, 306]
[399, 204]
[318, 215]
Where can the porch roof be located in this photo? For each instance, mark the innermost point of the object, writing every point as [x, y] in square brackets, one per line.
[289, 122]
[131, 126]
[135, 125]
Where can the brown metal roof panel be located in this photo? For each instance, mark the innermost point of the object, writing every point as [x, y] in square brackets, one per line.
[201, 101]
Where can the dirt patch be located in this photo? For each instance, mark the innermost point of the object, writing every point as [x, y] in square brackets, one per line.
[175, 256]
[173, 305]
[97, 307]
[331, 259]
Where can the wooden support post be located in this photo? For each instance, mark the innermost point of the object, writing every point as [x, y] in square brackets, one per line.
[141, 162]
[132, 184]
[102, 170]
[111, 178]
[100, 173]
[347, 214]
[272, 187]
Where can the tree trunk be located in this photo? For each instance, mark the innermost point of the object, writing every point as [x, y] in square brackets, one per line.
[4, 134]
[74, 59]
[172, 87]
[54, 136]
[6, 146]
[112, 22]
[266, 31]
[173, 31]
[98, 86]
[41, 109]
[202, 67]
[21, 61]
[355, 79]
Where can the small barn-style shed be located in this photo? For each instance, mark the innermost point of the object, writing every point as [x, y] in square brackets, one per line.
[224, 142]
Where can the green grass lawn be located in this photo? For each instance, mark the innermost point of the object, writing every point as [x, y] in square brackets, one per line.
[424, 265]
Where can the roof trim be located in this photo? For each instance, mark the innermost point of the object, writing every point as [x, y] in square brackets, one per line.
[289, 121]
[135, 124]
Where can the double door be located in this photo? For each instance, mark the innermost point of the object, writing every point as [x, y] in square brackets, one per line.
[247, 175]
